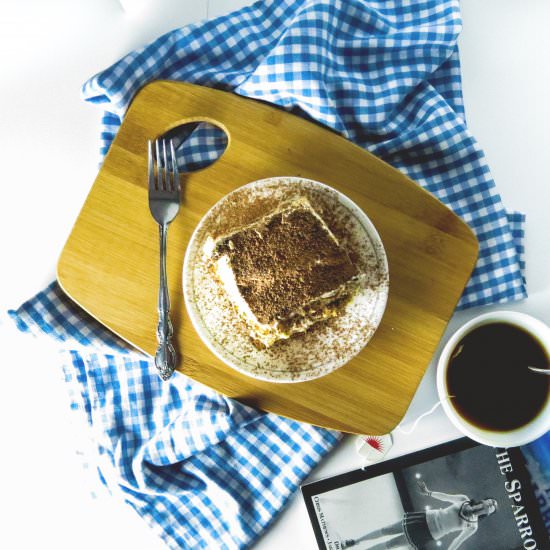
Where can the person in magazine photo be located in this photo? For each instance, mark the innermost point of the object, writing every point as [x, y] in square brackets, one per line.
[416, 529]
[457, 496]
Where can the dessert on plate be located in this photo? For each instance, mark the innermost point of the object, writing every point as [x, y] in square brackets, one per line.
[285, 279]
[284, 272]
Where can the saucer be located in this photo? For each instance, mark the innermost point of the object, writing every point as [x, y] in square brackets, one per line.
[327, 345]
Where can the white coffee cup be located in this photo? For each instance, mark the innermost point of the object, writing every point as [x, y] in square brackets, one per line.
[513, 438]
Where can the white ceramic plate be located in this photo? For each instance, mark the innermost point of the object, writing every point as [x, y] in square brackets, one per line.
[327, 345]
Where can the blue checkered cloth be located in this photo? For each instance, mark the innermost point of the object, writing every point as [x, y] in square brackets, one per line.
[205, 471]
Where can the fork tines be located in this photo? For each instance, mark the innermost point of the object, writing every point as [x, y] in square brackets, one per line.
[163, 166]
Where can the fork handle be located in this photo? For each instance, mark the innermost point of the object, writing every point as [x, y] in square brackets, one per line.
[165, 357]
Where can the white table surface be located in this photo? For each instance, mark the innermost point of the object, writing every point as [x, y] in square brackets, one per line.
[48, 152]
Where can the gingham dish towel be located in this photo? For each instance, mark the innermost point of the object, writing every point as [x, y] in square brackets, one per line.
[202, 470]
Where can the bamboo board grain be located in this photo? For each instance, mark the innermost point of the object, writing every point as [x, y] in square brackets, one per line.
[109, 264]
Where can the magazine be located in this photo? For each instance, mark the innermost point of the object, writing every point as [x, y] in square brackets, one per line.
[457, 495]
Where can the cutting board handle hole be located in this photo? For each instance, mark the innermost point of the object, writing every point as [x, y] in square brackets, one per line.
[198, 144]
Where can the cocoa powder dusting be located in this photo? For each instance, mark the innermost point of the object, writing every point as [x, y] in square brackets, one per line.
[286, 261]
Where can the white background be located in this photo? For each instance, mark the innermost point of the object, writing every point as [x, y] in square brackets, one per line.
[48, 154]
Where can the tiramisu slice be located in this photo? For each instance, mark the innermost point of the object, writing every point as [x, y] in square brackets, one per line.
[284, 272]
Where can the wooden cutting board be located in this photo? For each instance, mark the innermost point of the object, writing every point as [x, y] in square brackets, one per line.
[109, 264]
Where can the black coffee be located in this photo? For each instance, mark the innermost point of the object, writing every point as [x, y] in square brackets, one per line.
[489, 378]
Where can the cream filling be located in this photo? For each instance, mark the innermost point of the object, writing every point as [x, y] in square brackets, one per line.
[267, 334]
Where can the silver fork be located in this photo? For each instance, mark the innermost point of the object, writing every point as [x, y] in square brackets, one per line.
[164, 203]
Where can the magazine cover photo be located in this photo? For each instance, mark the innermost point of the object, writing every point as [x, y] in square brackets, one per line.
[461, 496]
